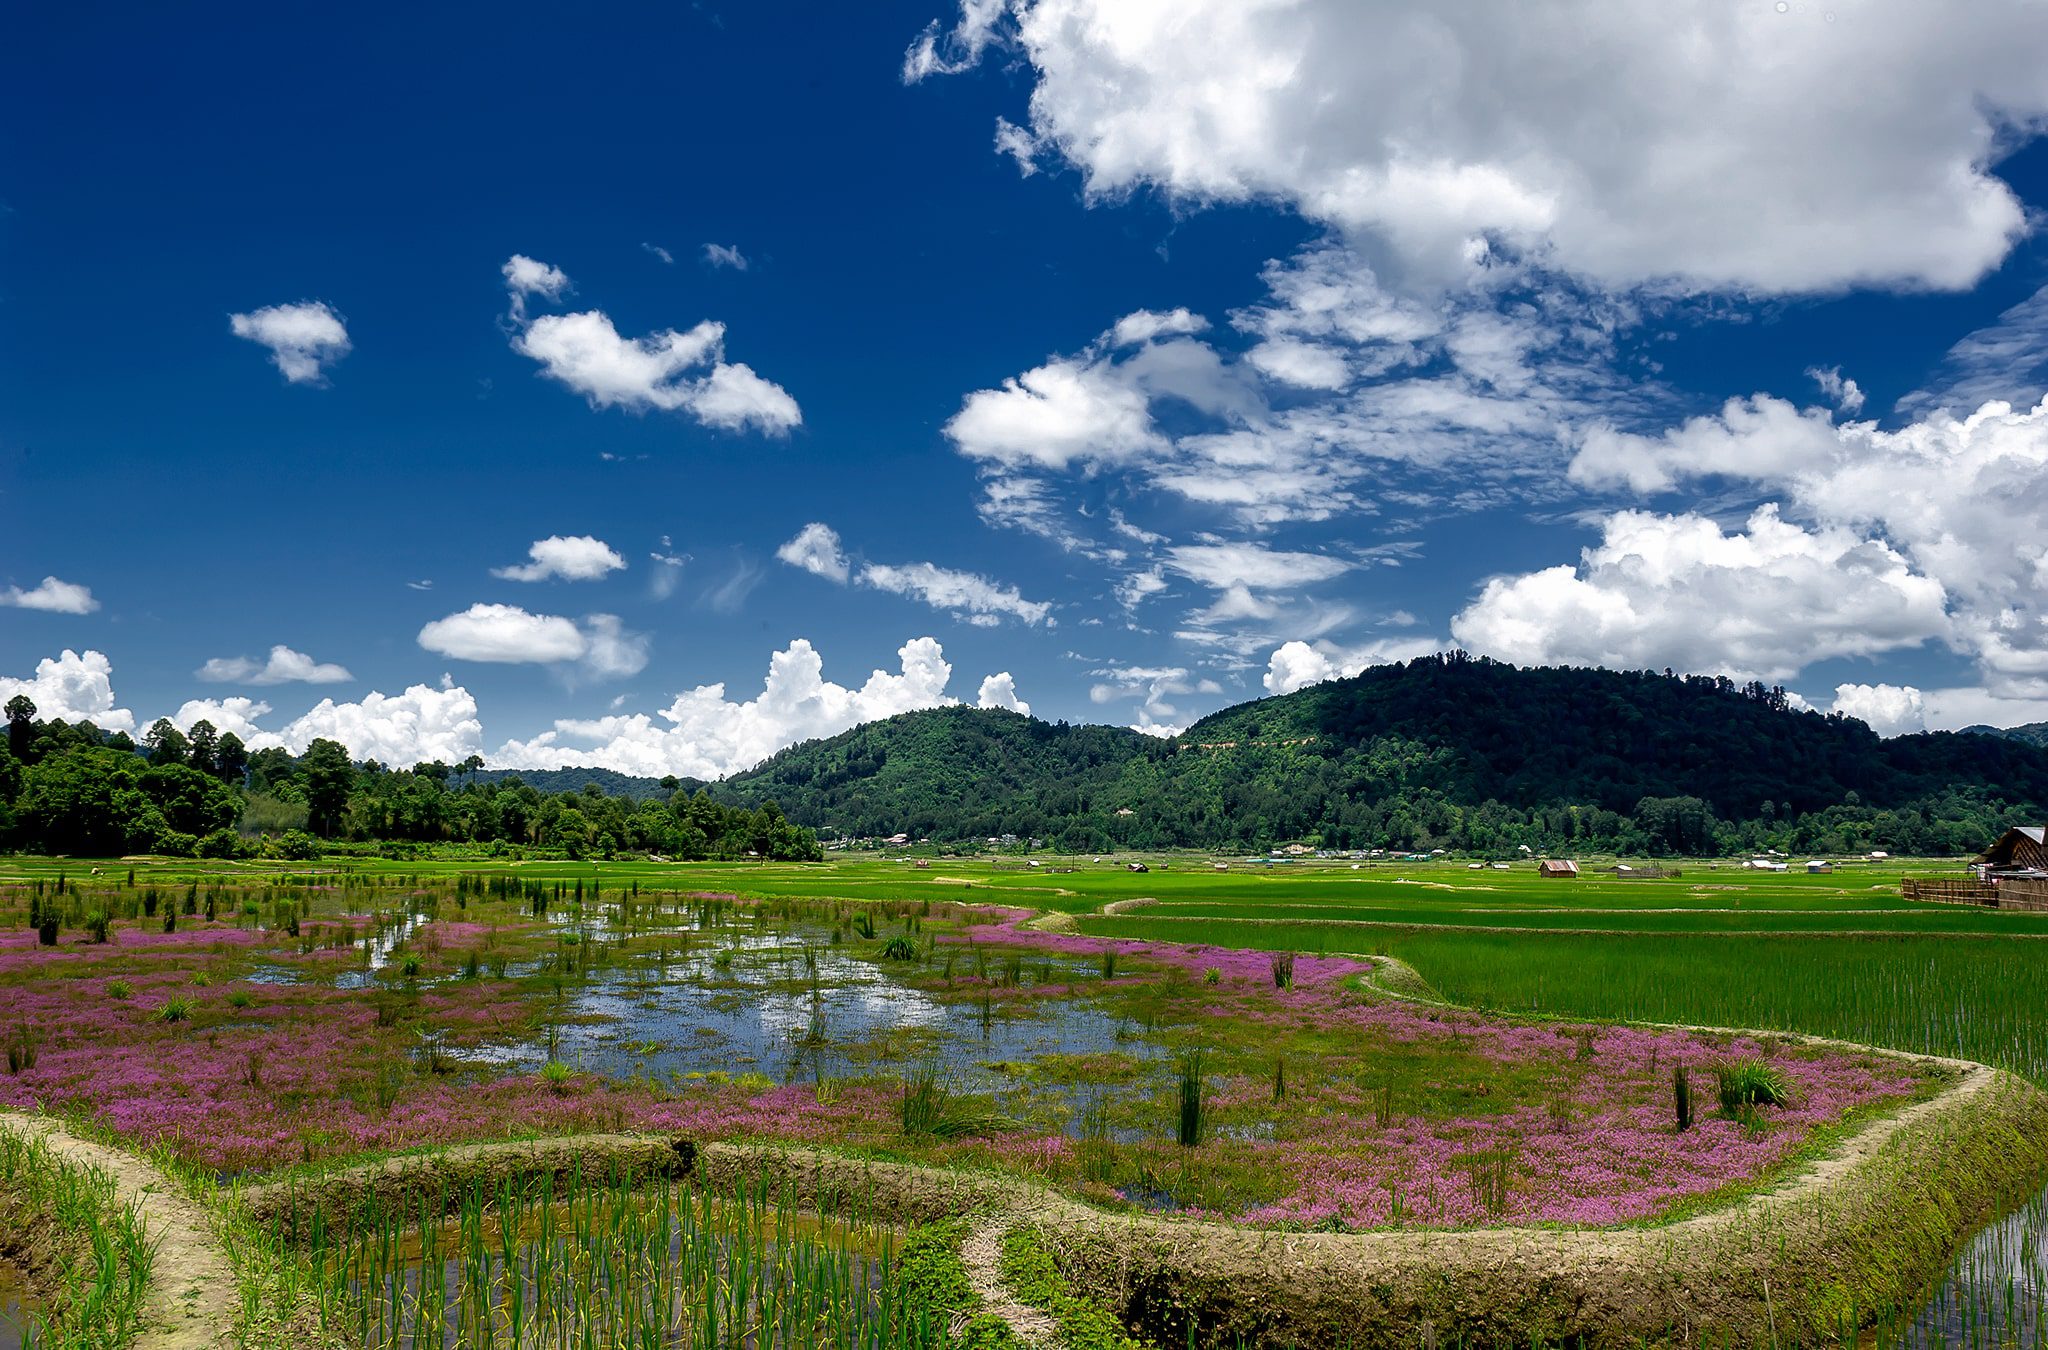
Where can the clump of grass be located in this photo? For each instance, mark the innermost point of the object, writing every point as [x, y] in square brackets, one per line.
[864, 925]
[899, 949]
[1191, 1113]
[1279, 1081]
[1212, 976]
[1283, 970]
[177, 1008]
[1109, 963]
[23, 1044]
[96, 925]
[1746, 1084]
[929, 1109]
[240, 998]
[120, 989]
[556, 1075]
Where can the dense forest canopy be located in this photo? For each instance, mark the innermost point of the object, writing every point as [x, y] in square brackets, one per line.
[69, 788]
[1445, 752]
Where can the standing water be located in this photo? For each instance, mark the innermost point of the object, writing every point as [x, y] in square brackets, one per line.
[19, 1308]
[1995, 1292]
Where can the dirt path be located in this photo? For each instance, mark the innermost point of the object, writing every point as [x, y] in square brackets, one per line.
[981, 1254]
[191, 1300]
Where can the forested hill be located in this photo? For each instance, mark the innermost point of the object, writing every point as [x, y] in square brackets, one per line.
[950, 773]
[1443, 751]
[610, 782]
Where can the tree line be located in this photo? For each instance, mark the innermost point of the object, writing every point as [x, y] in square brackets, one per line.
[71, 788]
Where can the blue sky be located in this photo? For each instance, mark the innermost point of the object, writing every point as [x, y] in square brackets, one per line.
[1142, 361]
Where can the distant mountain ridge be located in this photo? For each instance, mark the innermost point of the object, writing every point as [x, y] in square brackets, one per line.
[2033, 733]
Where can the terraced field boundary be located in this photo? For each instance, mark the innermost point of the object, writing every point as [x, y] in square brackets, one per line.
[189, 1302]
[1859, 1232]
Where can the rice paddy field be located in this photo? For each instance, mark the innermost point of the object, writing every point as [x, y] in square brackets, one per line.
[1190, 1040]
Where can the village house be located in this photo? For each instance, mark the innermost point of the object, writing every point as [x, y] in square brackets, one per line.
[1563, 868]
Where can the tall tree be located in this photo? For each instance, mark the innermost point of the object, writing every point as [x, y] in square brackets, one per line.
[328, 777]
[165, 743]
[21, 723]
[202, 747]
[231, 760]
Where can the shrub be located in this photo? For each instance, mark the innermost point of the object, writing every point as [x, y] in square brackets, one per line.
[297, 846]
[223, 843]
[46, 931]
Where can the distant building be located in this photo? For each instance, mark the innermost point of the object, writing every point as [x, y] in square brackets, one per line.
[1818, 865]
[1136, 867]
[1563, 868]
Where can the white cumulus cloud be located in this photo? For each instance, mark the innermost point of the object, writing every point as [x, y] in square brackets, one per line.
[1889, 709]
[304, 338]
[703, 734]
[1297, 665]
[507, 634]
[52, 596]
[1731, 146]
[574, 557]
[283, 666]
[1676, 591]
[399, 730]
[72, 687]
[236, 714]
[666, 371]
[1000, 691]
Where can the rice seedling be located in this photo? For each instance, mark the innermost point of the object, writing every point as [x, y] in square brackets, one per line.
[599, 1262]
[102, 1289]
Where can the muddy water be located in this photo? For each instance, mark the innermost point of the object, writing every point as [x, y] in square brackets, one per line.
[18, 1307]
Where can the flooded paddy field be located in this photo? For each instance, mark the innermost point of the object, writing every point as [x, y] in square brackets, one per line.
[1182, 1061]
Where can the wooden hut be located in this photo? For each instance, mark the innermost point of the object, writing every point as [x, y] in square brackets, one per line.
[1563, 868]
[2024, 848]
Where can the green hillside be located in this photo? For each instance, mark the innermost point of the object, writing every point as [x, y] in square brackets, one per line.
[1444, 751]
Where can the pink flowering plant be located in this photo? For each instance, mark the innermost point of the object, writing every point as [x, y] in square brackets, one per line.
[325, 1025]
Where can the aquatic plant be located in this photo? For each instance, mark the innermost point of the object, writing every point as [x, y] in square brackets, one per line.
[899, 949]
[1681, 1097]
[174, 1009]
[929, 1109]
[1283, 970]
[1190, 1133]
